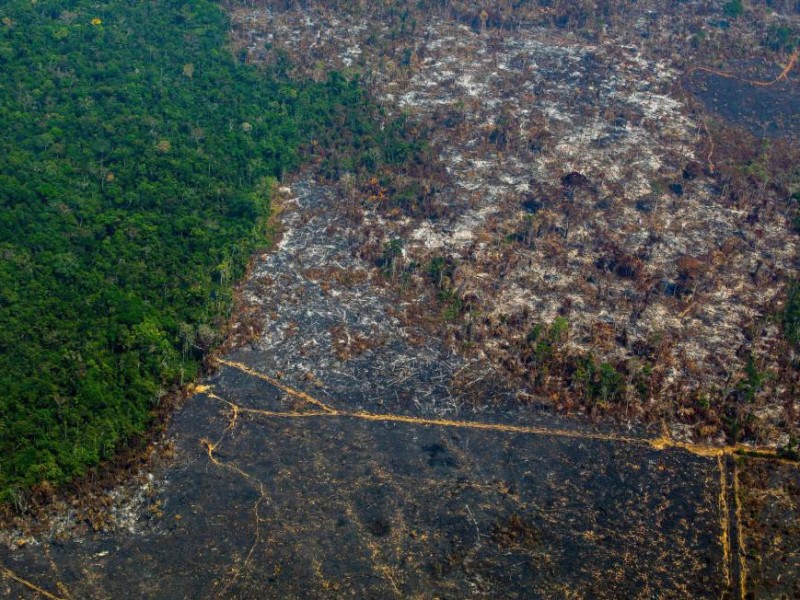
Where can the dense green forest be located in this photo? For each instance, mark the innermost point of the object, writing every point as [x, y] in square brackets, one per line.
[137, 158]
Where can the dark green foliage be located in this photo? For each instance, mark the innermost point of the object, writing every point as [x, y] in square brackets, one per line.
[359, 143]
[782, 38]
[437, 270]
[440, 271]
[641, 382]
[452, 303]
[736, 418]
[137, 158]
[791, 315]
[600, 383]
[795, 211]
[790, 451]
[392, 253]
[543, 342]
[753, 381]
[733, 9]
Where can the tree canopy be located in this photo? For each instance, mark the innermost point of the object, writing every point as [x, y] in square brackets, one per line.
[138, 155]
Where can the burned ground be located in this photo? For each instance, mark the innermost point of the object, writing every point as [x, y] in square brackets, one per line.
[581, 181]
[299, 471]
[766, 111]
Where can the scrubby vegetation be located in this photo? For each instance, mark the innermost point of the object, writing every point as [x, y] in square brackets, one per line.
[138, 159]
[630, 169]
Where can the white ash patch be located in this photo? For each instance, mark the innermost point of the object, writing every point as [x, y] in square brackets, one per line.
[527, 110]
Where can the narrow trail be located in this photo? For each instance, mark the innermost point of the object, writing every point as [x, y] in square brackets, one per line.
[664, 442]
[731, 530]
[783, 76]
[284, 388]
[725, 503]
[211, 447]
[724, 525]
[742, 551]
[5, 572]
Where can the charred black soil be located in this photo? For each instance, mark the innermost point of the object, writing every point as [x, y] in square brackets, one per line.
[315, 505]
[300, 472]
[749, 94]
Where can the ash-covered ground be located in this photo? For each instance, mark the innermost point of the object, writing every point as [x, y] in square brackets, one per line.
[315, 465]
[580, 185]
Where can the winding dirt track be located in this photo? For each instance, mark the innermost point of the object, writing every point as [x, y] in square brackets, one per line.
[782, 76]
[371, 479]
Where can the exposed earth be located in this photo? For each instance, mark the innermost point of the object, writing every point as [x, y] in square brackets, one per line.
[300, 473]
